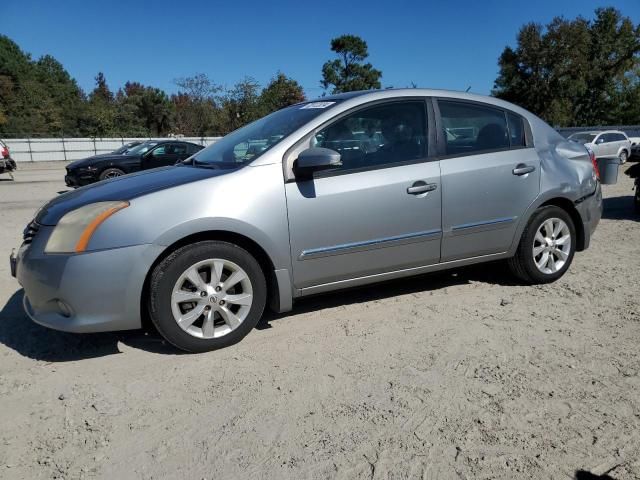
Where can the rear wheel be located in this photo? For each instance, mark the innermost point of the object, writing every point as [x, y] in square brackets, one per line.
[206, 296]
[623, 157]
[111, 173]
[546, 248]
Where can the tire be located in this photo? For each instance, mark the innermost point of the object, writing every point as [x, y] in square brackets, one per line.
[111, 173]
[636, 200]
[524, 266]
[623, 157]
[212, 328]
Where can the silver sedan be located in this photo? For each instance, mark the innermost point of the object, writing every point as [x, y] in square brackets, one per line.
[343, 191]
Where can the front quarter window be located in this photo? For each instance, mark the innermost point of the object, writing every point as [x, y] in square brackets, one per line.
[246, 144]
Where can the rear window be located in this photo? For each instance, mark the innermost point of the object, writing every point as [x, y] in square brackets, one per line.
[516, 130]
[583, 137]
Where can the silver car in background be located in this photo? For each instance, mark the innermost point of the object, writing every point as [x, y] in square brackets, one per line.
[324, 195]
[607, 144]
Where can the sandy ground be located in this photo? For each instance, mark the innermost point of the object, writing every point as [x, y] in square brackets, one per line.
[457, 375]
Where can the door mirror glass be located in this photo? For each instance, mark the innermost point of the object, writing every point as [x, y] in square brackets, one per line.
[600, 140]
[315, 159]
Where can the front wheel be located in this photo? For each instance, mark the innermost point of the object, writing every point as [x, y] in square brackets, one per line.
[111, 173]
[206, 296]
[546, 248]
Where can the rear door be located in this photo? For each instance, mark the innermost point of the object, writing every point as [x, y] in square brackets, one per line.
[490, 175]
[161, 156]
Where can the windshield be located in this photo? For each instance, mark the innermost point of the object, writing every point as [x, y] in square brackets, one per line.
[142, 148]
[583, 137]
[124, 148]
[248, 143]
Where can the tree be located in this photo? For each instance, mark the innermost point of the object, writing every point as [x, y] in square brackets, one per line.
[101, 110]
[349, 73]
[281, 92]
[37, 96]
[573, 72]
[240, 105]
[195, 105]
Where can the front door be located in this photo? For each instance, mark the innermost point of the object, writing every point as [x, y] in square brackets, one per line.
[490, 176]
[161, 156]
[378, 212]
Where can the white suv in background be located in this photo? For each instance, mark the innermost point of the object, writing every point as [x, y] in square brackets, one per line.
[607, 144]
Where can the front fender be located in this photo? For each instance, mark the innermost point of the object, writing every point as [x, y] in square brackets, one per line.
[228, 225]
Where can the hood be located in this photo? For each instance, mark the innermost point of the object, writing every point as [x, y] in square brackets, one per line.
[126, 187]
[85, 162]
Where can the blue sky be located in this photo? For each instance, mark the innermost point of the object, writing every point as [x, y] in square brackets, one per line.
[440, 44]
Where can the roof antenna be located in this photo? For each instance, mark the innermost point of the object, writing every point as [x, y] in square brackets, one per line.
[468, 88]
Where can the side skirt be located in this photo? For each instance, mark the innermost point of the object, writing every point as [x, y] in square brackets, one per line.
[380, 277]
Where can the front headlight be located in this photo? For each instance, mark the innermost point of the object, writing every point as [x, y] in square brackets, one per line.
[74, 230]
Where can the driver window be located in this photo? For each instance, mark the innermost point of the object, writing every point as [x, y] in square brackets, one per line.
[378, 136]
[161, 150]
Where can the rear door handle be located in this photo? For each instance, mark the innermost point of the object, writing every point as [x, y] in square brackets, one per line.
[421, 187]
[522, 169]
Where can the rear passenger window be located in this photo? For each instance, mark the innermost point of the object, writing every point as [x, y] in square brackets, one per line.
[516, 130]
[472, 128]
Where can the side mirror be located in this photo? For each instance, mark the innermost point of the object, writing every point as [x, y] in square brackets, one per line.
[316, 159]
[599, 141]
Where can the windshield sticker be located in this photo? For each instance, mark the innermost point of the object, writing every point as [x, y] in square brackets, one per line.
[317, 105]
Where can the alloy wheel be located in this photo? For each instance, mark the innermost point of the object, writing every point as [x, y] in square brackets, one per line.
[551, 245]
[211, 298]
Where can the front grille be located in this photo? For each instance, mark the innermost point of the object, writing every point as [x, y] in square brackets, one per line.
[30, 232]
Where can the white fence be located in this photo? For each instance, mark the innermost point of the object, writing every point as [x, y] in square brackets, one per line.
[68, 149]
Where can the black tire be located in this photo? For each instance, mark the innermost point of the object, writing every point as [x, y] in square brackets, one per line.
[636, 200]
[522, 263]
[111, 173]
[624, 156]
[166, 274]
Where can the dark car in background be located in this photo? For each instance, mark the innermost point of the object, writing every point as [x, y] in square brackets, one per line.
[149, 154]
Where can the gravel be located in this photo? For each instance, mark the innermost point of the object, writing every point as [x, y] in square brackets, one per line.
[463, 374]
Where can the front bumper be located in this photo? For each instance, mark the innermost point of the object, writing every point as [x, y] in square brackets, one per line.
[79, 178]
[91, 292]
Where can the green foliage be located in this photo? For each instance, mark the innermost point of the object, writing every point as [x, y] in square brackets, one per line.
[40, 98]
[575, 72]
[348, 72]
[196, 105]
[36, 95]
[281, 92]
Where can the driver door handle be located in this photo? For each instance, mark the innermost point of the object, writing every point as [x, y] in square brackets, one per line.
[421, 187]
[522, 169]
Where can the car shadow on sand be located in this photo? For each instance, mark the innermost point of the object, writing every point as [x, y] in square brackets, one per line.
[494, 273]
[620, 208]
[20, 333]
[585, 475]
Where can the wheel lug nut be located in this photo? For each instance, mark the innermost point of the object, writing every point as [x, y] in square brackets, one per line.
[221, 302]
[218, 288]
[203, 294]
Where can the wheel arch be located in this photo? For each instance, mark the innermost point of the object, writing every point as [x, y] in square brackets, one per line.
[559, 201]
[569, 207]
[275, 287]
